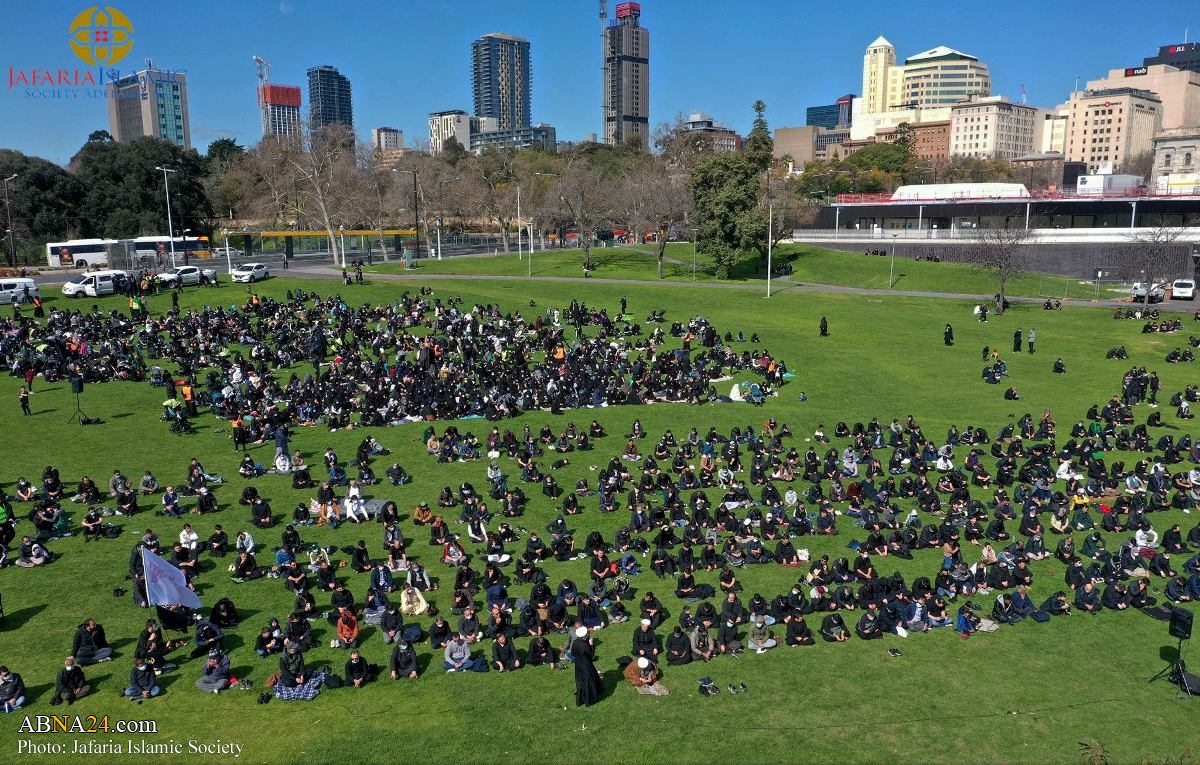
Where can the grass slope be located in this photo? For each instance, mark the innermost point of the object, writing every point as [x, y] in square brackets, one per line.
[811, 265]
[1025, 694]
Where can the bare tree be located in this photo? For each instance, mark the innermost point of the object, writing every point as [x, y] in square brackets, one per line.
[1002, 252]
[588, 202]
[1156, 253]
[653, 197]
[490, 183]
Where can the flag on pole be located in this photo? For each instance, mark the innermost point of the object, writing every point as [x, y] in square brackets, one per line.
[165, 584]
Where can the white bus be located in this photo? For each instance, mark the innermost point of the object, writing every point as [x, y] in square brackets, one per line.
[157, 249]
[79, 253]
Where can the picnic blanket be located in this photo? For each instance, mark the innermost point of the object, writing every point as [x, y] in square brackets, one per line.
[306, 692]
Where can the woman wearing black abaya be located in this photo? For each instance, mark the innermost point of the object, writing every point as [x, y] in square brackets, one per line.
[587, 679]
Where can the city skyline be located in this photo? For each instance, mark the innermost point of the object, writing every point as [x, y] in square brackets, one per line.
[401, 74]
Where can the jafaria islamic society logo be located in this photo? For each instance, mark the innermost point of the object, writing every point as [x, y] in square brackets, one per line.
[101, 36]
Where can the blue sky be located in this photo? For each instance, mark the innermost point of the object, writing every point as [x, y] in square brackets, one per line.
[406, 59]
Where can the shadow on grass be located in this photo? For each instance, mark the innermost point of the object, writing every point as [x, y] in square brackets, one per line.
[14, 620]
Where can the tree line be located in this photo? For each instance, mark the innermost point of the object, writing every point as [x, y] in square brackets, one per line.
[325, 180]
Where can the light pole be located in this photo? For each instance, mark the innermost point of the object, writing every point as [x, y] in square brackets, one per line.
[442, 184]
[416, 215]
[920, 215]
[12, 236]
[695, 236]
[770, 230]
[186, 231]
[170, 225]
[892, 265]
[519, 222]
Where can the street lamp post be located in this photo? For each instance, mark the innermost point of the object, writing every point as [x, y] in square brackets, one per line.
[416, 215]
[770, 238]
[892, 265]
[12, 235]
[920, 215]
[170, 225]
[443, 183]
[695, 236]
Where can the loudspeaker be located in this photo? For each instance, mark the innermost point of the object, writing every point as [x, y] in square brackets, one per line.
[1181, 624]
[77, 385]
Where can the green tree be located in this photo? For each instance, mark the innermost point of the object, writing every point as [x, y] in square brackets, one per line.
[725, 190]
[45, 204]
[123, 192]
[759, 144]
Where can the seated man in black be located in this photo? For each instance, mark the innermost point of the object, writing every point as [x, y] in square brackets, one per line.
[1059, 367]
[868, 627]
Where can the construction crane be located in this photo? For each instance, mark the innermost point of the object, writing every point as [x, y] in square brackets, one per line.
[264, 77]
[605, 73]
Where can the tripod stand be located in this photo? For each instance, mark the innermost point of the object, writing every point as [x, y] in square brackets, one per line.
[1174, 671]
[79, 415]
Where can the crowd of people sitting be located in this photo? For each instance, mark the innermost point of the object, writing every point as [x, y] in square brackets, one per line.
[700, 504]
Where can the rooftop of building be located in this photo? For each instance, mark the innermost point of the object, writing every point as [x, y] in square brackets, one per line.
[1116, 92]
[880, 42]
[940, 53]
[504, 36]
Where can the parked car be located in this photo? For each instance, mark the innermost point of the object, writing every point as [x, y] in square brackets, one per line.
[250, 272]
[1158, 291]
[186, 276]
[1183, 289]
[227, 252]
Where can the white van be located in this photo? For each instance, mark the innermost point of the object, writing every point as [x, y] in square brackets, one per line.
[95, 284]
[11, 287]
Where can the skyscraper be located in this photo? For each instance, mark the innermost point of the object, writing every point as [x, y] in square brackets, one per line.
[501, 78]
[281, 117]
[626, 77]
[329, 97]
[149, 102]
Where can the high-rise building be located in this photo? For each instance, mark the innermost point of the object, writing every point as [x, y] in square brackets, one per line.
[451, 124]
[329, 97]
[1108, 127]
[833, 115]
[150, 102]
[281, 116]
[1184, 56]
[501, 78]
[994, 127]
[387, 139]
[626, 77]
[878, 62]
[1179, 90]
[942, 76]
[922, 89]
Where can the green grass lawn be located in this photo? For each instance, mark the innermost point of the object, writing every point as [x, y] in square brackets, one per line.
[811, 265]
[1027, 693]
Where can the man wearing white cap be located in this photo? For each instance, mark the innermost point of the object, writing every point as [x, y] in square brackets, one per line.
[587, 680]
[645, 641]
[644, 675]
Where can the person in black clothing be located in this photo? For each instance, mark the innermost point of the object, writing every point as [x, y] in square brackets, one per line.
[679, 647]
[948, 335]
[70, 684]
[824, 327]
[645, 642]
[292, 668]
[404, 661]
[868, 624]
[90, 645]
[504, 656]
[358, 672]
[588, 685]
